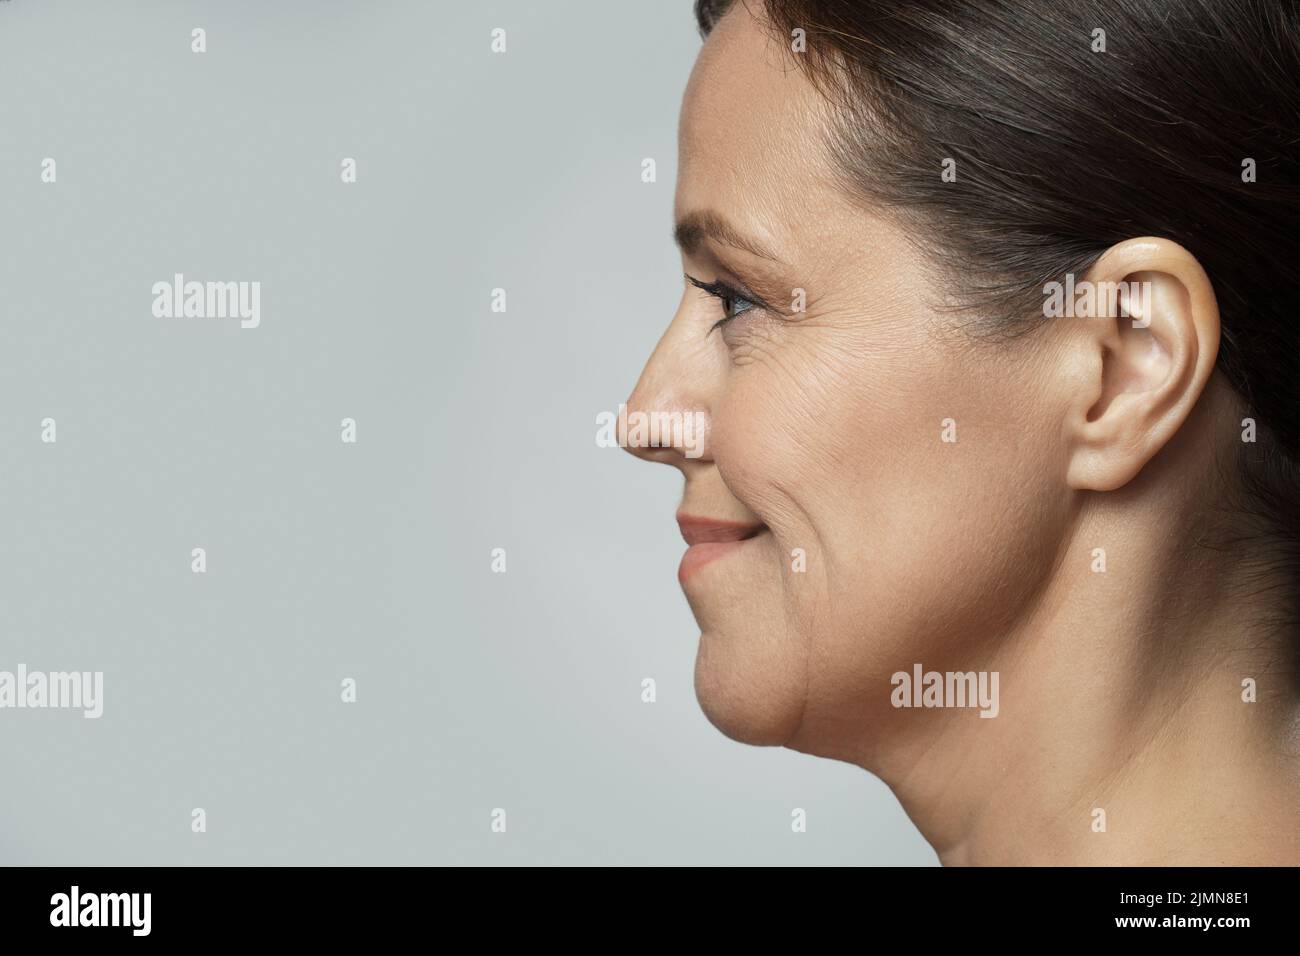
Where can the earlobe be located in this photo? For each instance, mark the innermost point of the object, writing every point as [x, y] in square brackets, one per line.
[1149, 345]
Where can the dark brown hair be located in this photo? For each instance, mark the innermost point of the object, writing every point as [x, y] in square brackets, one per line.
[1067, 141]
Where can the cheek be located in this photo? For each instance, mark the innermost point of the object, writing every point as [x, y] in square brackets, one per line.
[914, 544]
[811, 438]
[751, 673]
[908, 457]
[771, 438]
[781, 447]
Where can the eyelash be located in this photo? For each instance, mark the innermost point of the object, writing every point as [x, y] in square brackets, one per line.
[728, 295]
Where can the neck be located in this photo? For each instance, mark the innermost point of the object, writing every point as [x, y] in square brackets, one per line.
[1125, 734]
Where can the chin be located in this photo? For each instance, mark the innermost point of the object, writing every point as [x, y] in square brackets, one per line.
[746, 691]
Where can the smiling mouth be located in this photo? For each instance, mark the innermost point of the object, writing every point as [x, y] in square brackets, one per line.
[711, 539]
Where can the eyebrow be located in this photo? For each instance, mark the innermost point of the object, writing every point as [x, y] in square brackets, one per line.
[697, 227]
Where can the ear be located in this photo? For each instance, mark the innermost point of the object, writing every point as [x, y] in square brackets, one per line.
[1145, 358]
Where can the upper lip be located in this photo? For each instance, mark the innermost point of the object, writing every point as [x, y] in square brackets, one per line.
[697, 529]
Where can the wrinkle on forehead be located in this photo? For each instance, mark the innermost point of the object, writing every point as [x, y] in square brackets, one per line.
[753, 127]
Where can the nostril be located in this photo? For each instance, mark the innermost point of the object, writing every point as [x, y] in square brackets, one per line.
[661, 434]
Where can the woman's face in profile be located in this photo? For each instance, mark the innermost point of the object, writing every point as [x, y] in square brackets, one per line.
[874, 463]
[993, 356]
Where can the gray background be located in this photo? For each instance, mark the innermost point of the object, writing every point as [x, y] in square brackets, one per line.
[327, 560]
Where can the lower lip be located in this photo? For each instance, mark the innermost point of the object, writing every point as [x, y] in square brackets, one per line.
[705, 552]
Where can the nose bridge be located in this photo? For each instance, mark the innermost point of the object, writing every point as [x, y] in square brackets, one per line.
[667, 415]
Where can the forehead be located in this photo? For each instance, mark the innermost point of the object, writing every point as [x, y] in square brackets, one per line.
[750, 142]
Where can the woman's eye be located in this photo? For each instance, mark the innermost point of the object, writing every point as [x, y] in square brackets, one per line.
[733, 302]
[734, 305]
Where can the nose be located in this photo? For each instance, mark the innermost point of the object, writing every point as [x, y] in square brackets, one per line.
[667, 416]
